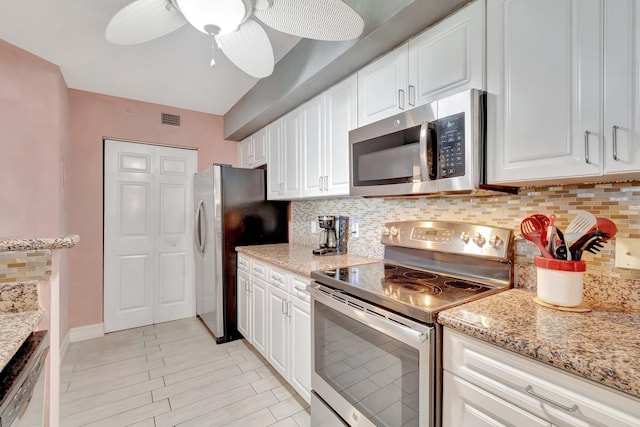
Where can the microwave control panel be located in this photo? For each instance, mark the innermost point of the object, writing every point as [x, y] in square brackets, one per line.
[450, 134]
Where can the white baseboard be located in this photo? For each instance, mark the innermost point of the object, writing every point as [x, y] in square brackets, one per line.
[88, 332]
[80, 334]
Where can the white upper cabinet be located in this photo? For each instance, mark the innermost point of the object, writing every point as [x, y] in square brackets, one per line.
[341, 116]
[252, 151]
[549, 62]
[290, 135]
[325, 123]
[448, 57]
[382, 87]
[312, 146]
[275, 160]
[445, 59]
[621, 132]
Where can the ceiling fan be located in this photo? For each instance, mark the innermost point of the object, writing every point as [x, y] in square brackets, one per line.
[231, 25]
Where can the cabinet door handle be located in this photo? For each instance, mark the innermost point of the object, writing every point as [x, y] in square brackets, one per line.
[412, 95]
[529, 390]
[326, 183]
[284, 307]
[320, 183]
[401, 99]
[614, 141]
[586, 147]
[288, 308]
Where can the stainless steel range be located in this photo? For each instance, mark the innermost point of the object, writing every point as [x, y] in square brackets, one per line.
[376, 343]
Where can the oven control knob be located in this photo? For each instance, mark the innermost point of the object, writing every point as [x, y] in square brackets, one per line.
[495, 241]
[464, 237]
[394, 231]
[385, 231]
[479, 239]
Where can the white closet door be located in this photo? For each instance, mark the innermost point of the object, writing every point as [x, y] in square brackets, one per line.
[175, 272]
[148, 258]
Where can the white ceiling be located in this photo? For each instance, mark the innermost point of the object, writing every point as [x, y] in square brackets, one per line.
[172, 70]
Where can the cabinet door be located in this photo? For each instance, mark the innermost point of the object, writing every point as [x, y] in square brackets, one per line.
[312, 147]
[622, 86]
[274, 160]
[244, 305]
[544, 85]
[277, 329]
[382, 87]
[244, 153]
[341, 116]
[300, 344]
[290, 165]
[259, 148]
[465, 405]
[259, 315]
[448, 57]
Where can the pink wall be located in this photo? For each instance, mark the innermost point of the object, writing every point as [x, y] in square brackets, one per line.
[33, 146]
[93, 117]
[33, 119]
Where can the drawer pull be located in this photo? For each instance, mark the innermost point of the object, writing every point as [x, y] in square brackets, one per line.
[529, 390]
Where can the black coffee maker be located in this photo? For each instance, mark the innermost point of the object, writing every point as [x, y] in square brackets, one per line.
[334, 232]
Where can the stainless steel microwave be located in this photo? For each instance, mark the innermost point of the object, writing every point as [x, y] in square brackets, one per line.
[434, 148]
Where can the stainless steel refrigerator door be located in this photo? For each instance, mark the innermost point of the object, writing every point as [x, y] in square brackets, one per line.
[208, 254]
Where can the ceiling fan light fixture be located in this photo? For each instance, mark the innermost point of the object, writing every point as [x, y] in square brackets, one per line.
[225, 16]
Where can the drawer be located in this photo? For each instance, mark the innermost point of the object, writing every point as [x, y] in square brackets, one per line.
[298, 287]
[259, 269]
[278, 278]
[244, 262]
[545, 391]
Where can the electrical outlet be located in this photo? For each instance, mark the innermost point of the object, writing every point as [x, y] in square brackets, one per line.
[628, 253]
[354, 229]
[314, 227]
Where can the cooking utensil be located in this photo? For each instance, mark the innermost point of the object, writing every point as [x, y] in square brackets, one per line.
[544, 220]
[583, 243]
[551, 235]
[581, 224]
[533, 231]
[561, 250]
[607, 226]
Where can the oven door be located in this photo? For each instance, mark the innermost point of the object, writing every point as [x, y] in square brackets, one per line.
[370, 366]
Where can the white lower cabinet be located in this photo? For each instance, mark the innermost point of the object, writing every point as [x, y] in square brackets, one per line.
[274, 315]
[485, 385]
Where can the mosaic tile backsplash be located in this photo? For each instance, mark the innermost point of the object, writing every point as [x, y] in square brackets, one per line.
[619, 202]
[17, 266]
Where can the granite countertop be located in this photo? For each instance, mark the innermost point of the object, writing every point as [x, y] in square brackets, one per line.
[14, 329]
[299, 259]
[602, 346]
[24, 244]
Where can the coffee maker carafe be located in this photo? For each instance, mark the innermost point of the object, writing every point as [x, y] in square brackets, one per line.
[333, 234]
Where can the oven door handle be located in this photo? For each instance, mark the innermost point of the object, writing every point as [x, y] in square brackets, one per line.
[404, 330]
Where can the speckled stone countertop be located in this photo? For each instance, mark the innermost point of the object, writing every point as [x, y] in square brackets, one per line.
[602, 346]
[14, 329]
[299, 259]
[19, 244]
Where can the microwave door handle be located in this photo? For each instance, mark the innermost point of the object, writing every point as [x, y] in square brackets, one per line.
[428, 152]
[424, 147]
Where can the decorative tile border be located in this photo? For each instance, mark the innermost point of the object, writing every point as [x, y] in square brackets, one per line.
[21, 266]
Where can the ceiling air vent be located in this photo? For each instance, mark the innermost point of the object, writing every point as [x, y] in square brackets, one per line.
[170, 119]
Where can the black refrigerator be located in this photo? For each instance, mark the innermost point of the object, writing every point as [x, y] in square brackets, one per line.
[230, 210]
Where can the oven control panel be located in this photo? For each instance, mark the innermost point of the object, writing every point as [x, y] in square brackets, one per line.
[450, 237]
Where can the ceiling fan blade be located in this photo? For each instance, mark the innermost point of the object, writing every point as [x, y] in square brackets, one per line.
[331, 20]
[143, 20]
[249, 49]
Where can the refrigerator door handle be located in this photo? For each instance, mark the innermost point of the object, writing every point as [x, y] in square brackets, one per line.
[198, 228]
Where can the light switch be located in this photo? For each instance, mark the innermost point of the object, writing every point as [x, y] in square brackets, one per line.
[628, 253]
[314, 225]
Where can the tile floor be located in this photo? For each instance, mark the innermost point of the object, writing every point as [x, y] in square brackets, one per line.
[173, 374]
